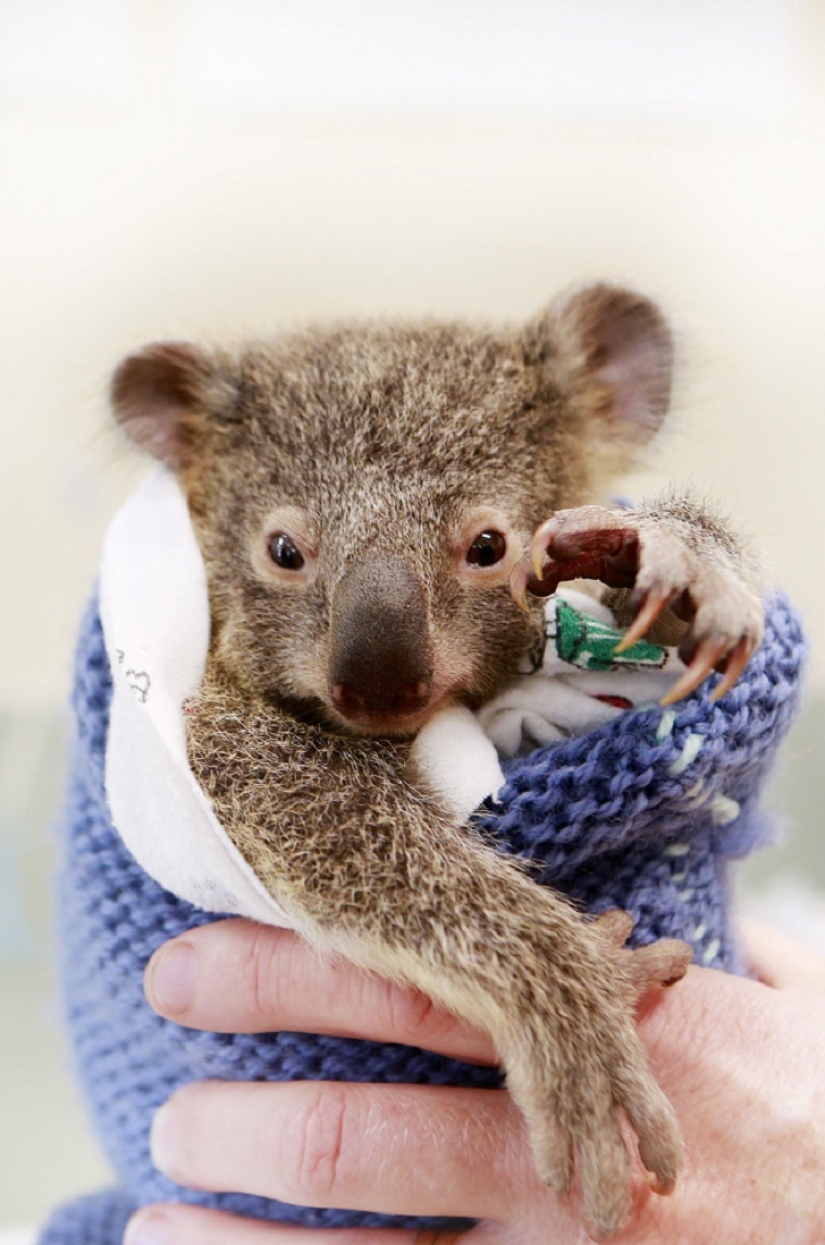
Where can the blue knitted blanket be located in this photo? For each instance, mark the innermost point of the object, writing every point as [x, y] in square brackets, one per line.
[644, 813]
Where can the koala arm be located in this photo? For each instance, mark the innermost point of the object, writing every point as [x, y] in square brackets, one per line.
[673, 565]
[372, 868]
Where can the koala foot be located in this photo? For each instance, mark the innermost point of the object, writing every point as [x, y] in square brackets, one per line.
[575, 1127]
[672, 558]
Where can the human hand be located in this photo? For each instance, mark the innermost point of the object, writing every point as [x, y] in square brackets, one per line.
[742, 1062]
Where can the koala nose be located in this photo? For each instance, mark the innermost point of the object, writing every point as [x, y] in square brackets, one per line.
[381, 661]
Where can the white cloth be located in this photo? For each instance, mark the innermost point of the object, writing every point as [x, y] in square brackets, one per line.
[569, 694]
[155, 615]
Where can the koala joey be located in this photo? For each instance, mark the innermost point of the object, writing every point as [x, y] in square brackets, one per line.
[380, 507]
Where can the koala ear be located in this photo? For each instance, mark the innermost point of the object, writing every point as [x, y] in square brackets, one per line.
[162, 396]
[611, 351]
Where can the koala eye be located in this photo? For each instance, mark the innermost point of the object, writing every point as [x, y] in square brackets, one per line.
[284, 552]
[487, 549]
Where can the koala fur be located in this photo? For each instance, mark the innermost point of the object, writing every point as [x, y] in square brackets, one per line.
[363, 495]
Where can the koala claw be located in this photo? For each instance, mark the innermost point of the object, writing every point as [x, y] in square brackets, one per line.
[656, 601]
[666, 562]
[713, 655]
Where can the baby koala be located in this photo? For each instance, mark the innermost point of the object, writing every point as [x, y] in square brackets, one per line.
[379, 508]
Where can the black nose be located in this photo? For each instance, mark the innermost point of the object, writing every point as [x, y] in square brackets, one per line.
[381, 662]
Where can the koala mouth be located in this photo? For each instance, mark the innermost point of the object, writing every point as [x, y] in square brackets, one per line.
[398, 709]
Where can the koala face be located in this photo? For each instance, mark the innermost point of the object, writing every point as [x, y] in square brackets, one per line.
[361, 521]
[361, 495]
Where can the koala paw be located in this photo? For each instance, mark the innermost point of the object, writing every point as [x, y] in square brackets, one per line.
[573, 1111]
[666, 561]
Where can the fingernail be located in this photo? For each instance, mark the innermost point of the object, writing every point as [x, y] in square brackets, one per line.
[162, 1145]
[171, 981]
[148, 1227]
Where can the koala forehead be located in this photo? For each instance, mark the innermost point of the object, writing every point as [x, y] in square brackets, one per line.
[539, 417]
[435, 408]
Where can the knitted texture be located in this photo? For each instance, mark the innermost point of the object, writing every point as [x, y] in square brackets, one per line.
[643, 813]
[95, 1220]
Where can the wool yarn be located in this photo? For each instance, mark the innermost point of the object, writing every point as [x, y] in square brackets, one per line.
[644, 813]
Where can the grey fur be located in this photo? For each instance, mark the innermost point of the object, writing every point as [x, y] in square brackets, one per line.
[381, 452]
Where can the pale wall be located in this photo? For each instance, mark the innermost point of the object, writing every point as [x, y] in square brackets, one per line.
[139, 204]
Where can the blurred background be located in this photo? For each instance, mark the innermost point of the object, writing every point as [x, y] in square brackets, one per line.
[211, 167]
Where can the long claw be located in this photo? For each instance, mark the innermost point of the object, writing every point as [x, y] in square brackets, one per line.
[519, 579]
[654, 603]
[538, 546]
[538, 557]
[705, 658]
[737, 661]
